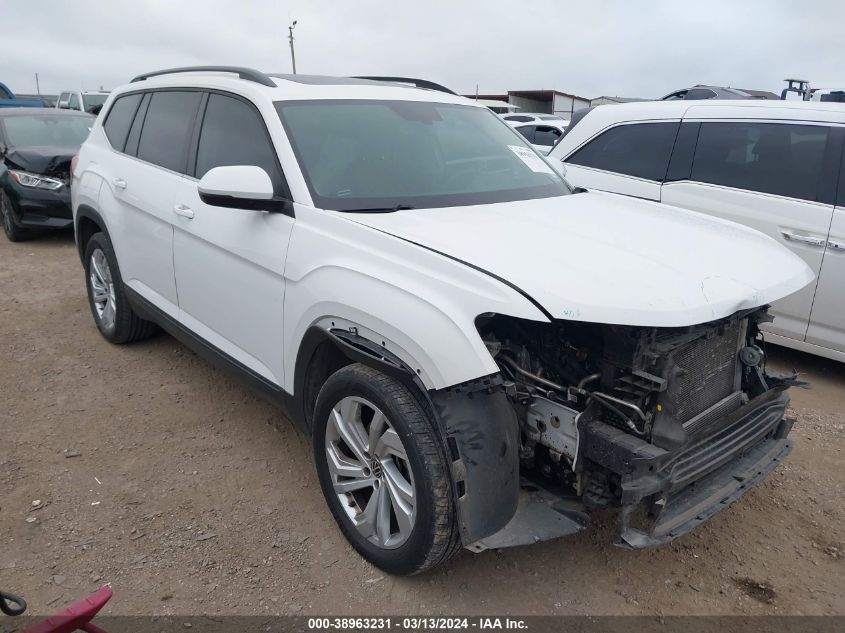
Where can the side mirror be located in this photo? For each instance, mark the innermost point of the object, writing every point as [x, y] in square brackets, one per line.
[239, 187]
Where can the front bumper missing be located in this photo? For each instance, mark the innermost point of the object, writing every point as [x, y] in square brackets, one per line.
[680, 489]
[698, 502]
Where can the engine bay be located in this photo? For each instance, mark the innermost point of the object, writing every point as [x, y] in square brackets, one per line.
[663, 386]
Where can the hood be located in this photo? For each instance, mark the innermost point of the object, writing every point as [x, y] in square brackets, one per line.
[605, 258]
[49, 161]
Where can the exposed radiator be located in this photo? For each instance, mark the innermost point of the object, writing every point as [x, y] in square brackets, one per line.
[705, 374]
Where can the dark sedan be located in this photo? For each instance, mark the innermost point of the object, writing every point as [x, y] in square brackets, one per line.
[36, 147]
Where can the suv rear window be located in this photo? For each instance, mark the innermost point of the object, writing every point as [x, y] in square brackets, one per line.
[167, 128]
[778, 158]
[641, 150]
[120, 119]
[547, 135]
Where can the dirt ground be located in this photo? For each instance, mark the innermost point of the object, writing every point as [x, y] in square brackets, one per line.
[147, 468]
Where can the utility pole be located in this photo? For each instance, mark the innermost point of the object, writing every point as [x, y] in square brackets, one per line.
[37, 86]
[292, 54]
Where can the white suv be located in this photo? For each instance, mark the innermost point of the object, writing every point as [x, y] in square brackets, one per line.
[479, 355]
[775, 166]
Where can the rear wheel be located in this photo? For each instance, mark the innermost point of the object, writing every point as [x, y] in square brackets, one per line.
[13, 232]
[383, 472]
[110, 308]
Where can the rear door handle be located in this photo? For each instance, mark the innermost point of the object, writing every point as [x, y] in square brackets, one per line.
[804, 239]
[185, 212]
[120, 183]
[836, 245]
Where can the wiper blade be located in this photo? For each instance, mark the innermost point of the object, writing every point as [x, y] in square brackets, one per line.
[398, 207]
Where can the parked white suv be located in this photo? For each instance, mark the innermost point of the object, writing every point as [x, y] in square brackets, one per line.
[775, 166]
[542, 136]
[426, 297]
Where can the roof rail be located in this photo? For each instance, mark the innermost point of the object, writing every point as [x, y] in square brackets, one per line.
[247, 74]
[419, 83]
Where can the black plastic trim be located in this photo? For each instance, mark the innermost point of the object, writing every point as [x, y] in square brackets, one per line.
[832, 180]
[680, 163]
[480, 425]
[265, 388]
[84, 211]
[274, 205]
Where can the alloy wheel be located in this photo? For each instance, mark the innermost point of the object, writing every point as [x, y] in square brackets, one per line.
[102, 289]
[370, 472]
[6, 213]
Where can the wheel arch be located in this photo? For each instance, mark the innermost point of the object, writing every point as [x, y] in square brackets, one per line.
[87, 222]
[476, 425]
[325, 348]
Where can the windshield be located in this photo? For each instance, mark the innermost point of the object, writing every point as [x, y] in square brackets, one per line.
[88, 101]
[383, 155]
[41, 130]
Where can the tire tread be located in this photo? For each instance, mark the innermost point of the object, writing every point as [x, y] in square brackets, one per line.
[129, 327]
[446, 541]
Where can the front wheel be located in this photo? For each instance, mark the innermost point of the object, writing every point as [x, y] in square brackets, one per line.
[13, 232]
[383, 471]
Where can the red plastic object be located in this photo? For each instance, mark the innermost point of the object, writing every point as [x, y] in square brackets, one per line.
[77, 616]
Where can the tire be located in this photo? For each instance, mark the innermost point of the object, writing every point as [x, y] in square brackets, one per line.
[13, 232]
[351, 400]
[110, 308]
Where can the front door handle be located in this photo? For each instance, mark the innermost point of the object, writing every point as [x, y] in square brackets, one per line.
[804, 239]
[185, 212]
[119, 183]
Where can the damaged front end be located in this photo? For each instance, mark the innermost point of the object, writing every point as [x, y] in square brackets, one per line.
[668, 424]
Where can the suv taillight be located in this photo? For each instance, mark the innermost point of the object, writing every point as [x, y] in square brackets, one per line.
[73, 162]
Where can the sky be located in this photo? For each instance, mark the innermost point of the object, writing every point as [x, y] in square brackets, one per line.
[636, 48]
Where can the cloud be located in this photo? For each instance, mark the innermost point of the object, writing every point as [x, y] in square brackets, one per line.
[611, 47]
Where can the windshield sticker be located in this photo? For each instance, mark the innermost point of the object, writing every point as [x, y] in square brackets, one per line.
[531, 160]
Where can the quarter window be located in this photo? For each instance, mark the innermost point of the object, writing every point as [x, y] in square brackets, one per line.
[167, 128]
[641, 150]
[776, 158]
[233, 133]
[120, 119]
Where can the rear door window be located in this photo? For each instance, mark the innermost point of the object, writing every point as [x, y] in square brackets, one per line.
[167, 128]
[527, 131]
[74, 102]
[641, 150]
[119, 119]
[233, 133]
[777, 158]
[546, 135]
